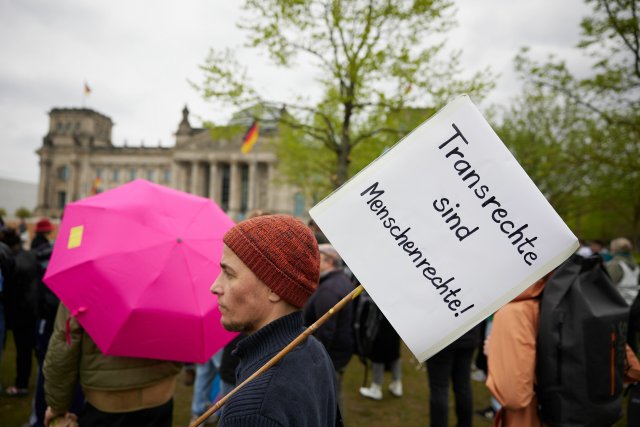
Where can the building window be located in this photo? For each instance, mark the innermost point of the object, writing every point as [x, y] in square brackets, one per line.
[62, 199]
[115, 175]
[167, 176]
[298, 204]
[225, 178]
[244, 188]
[132, 174]
[63, 173]
[151, 175]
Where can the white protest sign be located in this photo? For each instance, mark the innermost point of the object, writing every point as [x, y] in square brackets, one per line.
[444, 228]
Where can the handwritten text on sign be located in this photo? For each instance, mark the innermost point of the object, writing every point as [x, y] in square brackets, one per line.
[498, 212]
[444, 228]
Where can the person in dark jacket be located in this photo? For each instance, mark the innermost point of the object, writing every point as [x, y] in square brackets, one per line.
[20, 295]
[336, 334]
[43, 228]
[7, 264]
[384, 354]
[270, 267]
[453, 362]
[47, 306]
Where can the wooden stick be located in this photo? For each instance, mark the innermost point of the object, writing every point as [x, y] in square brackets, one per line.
[275, 359]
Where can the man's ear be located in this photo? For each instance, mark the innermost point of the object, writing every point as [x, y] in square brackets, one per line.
[273, 297]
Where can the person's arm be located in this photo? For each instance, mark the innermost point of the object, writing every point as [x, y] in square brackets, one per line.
[61, 363]
[511, 355]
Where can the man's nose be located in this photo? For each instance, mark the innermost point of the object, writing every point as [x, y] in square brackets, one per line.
[216, 288]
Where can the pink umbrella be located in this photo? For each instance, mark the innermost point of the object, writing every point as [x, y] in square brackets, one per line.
[134, 265]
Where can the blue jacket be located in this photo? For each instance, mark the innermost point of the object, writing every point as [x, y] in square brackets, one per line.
[300, 390]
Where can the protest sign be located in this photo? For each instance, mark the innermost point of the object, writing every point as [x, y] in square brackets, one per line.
[444, 228]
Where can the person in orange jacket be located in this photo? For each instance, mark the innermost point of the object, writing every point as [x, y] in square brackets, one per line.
[511, 358]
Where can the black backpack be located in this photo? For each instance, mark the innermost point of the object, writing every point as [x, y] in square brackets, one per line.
[366, 323]
[581, 346]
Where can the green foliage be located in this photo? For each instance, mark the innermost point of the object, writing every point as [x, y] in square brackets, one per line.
[579, 138]
[373, 59]
[22, 213]
[225, 132]
[539, 130]
[304, 162]
[3, 212]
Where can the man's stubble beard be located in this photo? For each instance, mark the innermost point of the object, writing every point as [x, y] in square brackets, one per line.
[238, 327]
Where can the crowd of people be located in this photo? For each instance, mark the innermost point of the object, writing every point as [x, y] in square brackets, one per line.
[278, 277]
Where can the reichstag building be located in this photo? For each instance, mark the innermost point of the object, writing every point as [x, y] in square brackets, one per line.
[78, 159]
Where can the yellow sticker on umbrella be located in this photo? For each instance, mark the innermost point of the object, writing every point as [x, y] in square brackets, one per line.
[75, 237]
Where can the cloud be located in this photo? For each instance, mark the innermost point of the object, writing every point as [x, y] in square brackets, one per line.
[138, 55]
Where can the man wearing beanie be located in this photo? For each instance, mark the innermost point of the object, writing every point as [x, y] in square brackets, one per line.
[270, 267]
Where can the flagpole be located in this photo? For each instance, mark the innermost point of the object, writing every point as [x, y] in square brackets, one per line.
[275, 359]
[85, 94]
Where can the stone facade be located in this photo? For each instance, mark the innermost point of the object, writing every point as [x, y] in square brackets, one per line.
[78, 159]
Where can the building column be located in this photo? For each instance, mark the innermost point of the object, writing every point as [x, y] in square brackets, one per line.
[213, 182]
[44, 187]
[269, 197]
[184, 180]
[71, 181]
[234, 190]
[253, 183]
[175, 170]
[85, 177]
[193, 189]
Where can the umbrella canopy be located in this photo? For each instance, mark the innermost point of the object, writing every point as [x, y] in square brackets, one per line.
[134, 265]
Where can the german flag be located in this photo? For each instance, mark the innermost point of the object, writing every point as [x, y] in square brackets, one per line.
[250, 138]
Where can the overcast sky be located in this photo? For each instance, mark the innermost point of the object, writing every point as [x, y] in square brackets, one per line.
[137, 57]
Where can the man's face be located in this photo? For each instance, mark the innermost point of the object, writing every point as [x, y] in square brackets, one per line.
[243, 299]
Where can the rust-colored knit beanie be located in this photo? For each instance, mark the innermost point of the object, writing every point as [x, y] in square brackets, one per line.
[281, 251]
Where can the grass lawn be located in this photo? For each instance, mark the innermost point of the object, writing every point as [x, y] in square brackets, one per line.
[409, 411]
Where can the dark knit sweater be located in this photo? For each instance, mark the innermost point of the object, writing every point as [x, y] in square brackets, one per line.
[299, 390]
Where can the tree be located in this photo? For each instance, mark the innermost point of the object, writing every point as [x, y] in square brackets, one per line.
[3, 212]
[374, 59]
[540, 130]
[588, 126]
[22, 213]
